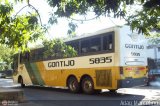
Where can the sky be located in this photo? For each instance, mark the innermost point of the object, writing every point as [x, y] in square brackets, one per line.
[60, 30]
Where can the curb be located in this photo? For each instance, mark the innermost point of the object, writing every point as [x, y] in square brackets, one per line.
[8, 94]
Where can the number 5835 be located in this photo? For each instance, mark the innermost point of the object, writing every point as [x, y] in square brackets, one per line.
[100, 60]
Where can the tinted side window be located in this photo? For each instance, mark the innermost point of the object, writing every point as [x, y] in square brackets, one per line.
[108, 42]
[85, 46]
[95, 44]
[75, 45]
[32, 56]
[39, 54]
[36, 55]
[24, 57]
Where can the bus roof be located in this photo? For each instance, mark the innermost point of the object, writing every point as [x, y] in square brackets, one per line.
[85, 35]
[93, 33]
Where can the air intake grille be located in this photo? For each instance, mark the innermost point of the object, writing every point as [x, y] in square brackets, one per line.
[104, 78]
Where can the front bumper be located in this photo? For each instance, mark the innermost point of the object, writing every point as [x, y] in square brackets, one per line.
[131, 82]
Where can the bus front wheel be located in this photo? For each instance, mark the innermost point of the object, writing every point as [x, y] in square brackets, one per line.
[20, 80]
[73, 85]
[87, 85]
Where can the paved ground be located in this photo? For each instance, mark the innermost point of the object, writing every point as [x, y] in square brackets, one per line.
[7, 83]
[45, 96]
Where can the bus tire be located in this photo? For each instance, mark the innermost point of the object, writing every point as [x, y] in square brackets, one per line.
[113, 90]
[73, 85]
[87, 85]
[98, 91]
[21, 82]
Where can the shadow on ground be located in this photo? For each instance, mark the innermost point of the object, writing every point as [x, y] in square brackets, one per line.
[48, 96]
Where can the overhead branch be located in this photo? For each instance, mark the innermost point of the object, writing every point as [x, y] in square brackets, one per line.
[85, 18]
[29, 5]
[20, 11]
[37, 13]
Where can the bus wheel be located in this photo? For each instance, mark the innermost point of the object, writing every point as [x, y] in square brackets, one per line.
[73, 85]
[113, 90]
[98, 91]
[21, 82]
[87, 85]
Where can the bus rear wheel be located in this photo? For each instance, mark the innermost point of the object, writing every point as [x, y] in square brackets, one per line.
[113, 90]
[73, 85]
[87, 85]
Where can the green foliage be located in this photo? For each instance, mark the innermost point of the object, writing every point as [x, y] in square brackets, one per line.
[52, 19]
[18, 30]
[72, 29]
[6, 55]
[56, 48]
[67, 8]
[144, 20]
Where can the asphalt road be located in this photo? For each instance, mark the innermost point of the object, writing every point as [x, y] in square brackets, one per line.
[47, 96]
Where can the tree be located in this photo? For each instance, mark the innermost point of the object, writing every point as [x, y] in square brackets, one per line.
[17, 31]
[147, 19]
[144, 20]
[56, 48]
[6, 56]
